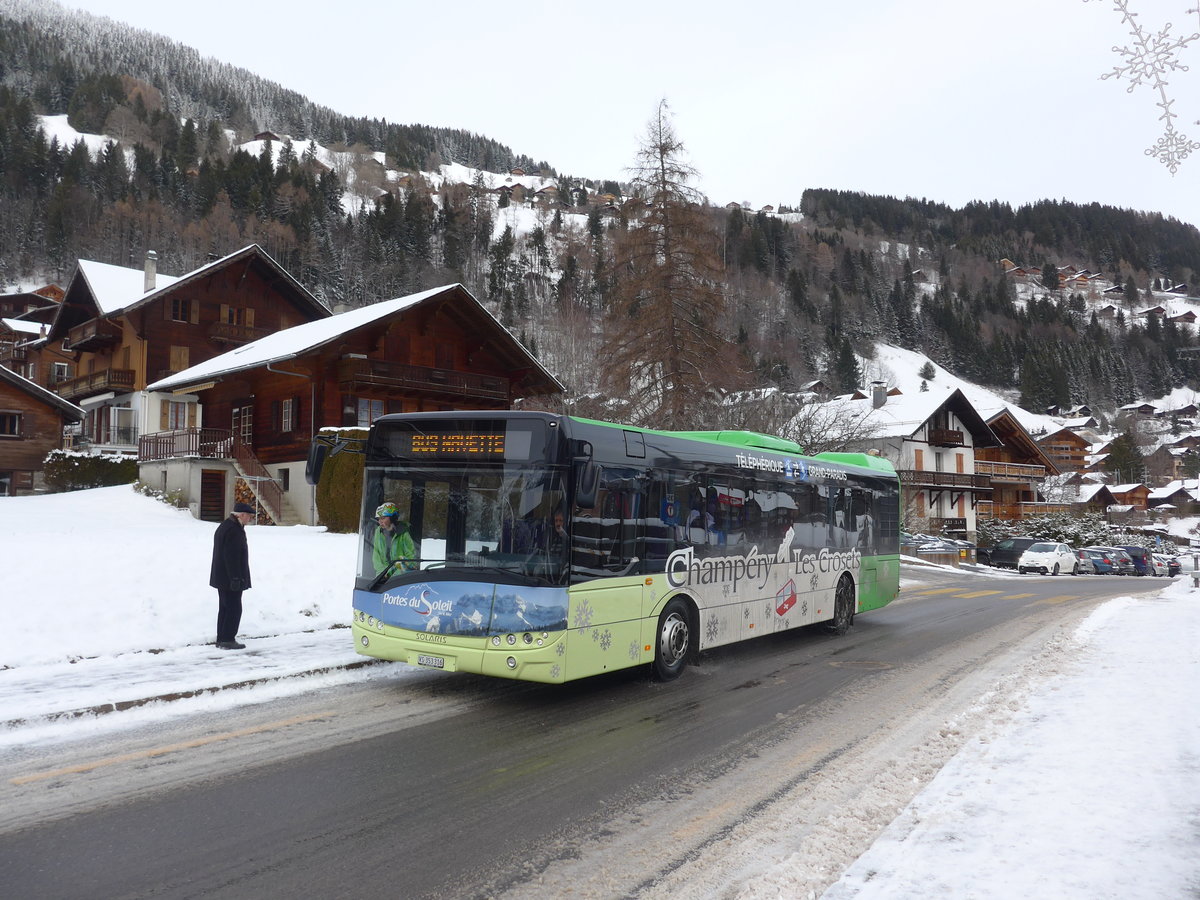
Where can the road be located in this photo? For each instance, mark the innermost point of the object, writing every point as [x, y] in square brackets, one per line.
[618, 786]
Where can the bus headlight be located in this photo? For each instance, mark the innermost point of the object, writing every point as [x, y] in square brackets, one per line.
[512, 639]
[527, 638]
[495, 640]
[512, 662]
[366, 641]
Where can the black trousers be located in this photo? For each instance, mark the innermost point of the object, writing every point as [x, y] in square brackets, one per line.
[229, 614]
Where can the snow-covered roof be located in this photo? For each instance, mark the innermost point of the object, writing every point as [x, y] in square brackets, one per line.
[116, 287]
[1125, 488]
[1088, 491]
[300, 339]
[24, 326]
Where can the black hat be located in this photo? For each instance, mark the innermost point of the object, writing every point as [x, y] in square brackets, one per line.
[243, 507]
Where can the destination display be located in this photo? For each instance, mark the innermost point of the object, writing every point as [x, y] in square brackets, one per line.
[479, 444]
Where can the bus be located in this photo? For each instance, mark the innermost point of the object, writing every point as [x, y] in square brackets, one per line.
[547, 548]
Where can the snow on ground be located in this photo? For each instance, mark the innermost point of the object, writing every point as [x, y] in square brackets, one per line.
[1086, 786]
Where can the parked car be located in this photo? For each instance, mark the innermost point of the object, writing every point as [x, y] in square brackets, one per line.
[1174, 566]
[1048, 558]
[1086, 564]
[1122, 562]
[1158, 565]
[1102, 562]
[1005, 553]
[1140, 557]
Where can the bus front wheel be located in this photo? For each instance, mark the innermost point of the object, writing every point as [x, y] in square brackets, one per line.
[674, 641]
[843, 606]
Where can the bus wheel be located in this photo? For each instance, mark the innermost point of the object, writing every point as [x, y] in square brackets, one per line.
[674, 640]
[843, 606]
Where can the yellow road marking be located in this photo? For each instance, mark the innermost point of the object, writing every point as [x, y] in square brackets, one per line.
[1061, 598]
[979, 594]
[1019, 596]
[936, 591]
[169, 748]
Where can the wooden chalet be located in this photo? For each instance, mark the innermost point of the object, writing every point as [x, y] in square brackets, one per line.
[32, 420]
[1134, 495]
[264, 402]
[1017, 468]
[1067, 449]
[126, 328]
[25, 349]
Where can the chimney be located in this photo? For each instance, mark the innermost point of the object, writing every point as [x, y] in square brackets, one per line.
[878, 393]
[151, 271]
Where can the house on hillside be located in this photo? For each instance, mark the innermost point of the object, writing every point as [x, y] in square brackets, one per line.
[1066, 448]
[931, 437]
[126, 328]
[32, 420]
[1182, 495]
[1136, 496]
[265, 401]
[1017, 467]
[37, 306]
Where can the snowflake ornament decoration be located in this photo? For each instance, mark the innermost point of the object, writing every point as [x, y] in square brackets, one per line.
[1147, 60]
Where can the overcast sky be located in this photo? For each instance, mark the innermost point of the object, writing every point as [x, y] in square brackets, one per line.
[943, 99]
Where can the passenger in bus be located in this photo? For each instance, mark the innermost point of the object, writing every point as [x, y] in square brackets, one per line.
[392, 540]
[558, 537]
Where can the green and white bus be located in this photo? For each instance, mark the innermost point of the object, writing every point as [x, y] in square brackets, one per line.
[548, 548]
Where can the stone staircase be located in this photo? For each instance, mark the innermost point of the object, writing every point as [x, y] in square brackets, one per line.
[265, 487]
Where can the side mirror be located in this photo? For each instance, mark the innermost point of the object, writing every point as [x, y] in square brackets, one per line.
[587, 479]
[317, 452]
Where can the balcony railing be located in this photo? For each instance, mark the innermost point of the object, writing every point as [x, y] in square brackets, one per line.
[10, 353]
[920, 478]
[1014, 512]
[952, 526]
[95, 383]
[93, 334]
[1006, 471]
[945, 437]
[236, 334]
[355, 374]
[209, 443]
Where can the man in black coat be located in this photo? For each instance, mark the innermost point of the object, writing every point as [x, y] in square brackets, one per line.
[231, 573]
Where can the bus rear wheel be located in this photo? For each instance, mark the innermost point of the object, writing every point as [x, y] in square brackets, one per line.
[843, 606]
[674, 641]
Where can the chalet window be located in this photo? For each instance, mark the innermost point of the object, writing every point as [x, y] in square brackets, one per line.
[176, 416]
[60, 371]
[182, 309]
[285, 479]
[10, 424]
[368, 411]
[236, 315]
[31, 371]
[285, 414]
[179, 358]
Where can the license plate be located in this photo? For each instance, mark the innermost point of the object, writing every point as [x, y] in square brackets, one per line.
[436, 662]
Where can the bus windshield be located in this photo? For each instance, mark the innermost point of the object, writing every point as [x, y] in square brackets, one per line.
[509, 520]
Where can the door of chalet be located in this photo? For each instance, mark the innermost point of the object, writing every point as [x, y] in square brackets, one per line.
[243, 425]
[212, 495]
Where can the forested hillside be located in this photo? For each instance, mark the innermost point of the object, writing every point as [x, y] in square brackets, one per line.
[759, 300]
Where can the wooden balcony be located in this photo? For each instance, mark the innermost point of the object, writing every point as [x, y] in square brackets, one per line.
[94, 334]
[120, 380]
[945, 437]
[1006, 471]
[919, 478]
[953, 526]
[226, 333]
[1015, 512]
[10, 353]
[209, 443]
[359, 375]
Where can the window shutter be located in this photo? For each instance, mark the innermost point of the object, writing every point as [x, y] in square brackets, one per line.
[296, 413]
[224, 313]
[166, 308]
[191, 418]
[194, 312]
[164, 413]
[276, 415]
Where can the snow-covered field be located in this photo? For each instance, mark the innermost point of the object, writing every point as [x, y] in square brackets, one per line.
[1079, 777]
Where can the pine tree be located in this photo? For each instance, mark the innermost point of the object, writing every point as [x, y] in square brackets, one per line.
[666, 344]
